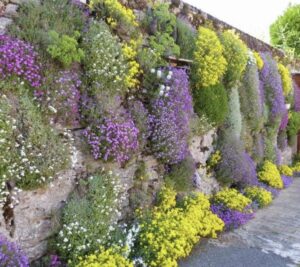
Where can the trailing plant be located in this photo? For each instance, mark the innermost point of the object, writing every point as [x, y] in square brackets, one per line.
[171, 111]
[18, 59]
[236, 55]
[212, 102]
[90, 222]
[287, 180]
[259, 61]
[270, 175]
[259, 195]
[232, 199]
[105, 258]
[186, 39]
[11, 255]
[35, 21]
[168, 233]
[64, 48]
[209, 63]
[285, 78]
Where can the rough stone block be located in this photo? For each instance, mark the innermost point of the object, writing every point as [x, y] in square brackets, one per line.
[4, 22]
[11, 10]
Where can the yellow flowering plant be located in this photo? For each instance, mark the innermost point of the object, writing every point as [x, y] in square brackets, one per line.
[270, 175]
[285, 170]
[285, 78]
[259, 60]
[169, 231]
[296, 167]
[231, 198]
[209, 62]
[259, 195]
[214, 160]
[105, 258]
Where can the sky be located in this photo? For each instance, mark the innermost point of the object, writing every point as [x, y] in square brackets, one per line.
[251, 16]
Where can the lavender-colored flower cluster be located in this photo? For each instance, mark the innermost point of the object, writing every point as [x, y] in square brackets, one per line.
[236, 165]
[11, 255]
[113, 139]
[232, 218]
[18, 58]
[284, 121]
[271, 81]
[66, 97]
[170, 118]
[287, 180]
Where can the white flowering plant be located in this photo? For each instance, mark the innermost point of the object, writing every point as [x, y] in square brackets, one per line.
[91, 221]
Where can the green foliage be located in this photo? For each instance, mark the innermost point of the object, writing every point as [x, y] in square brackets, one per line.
[213, 103]
[186, 39]
[181, 175]
[34, 21]
[236, 55]
[89, 222]
[285, 31]
[164, 45]
[25, 141]
[65, 48]
[234, 119]
[294, 123]
[209, 62]
[200, 125]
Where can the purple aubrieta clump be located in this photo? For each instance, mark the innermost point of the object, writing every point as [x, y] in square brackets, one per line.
[232, 218]
[18, 58]
[272, 85]
[171, 112]
[287, 180]
[11, 255]
[113, 139]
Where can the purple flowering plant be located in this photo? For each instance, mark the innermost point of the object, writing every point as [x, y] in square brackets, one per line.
[11, 255]
[287, 180]
[171, 111]
[113, 139]
[18, 59]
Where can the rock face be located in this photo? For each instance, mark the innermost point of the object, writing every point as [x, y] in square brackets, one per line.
[34, 219]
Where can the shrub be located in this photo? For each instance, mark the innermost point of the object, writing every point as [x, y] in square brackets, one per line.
[11, 255]
[232, 199]
[105, 65]
[259, 195]
[212, 102]
[186, 39]
[293, 124]
[209, 62]
[236, 55]
[232, 218]
[171, 112]
[285, 78]
[270, 175]
[272, 89]
[65, 48]
[89, 222]
[234, 119]
[285, 170]
[168, 232]
[34, 21]
[287, 181]
[259, 60]
[105, 258]
[26, 138]
[18, 59]
[250, 102]
[113, 139]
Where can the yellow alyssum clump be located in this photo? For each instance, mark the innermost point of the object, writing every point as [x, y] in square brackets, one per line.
[232, 199]
[106, 258]
[270, 175]
[259, 60]
[209, 62]
[169, 232]
[285, 170]
[296, 167]
[117, 12]
[259, 195]
[285, 78]
[130, 53]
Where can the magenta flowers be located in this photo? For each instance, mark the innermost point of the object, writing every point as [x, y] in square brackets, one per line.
[18, 58]
[113, 139]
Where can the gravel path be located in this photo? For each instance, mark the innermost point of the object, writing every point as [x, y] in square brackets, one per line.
[271, 239]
